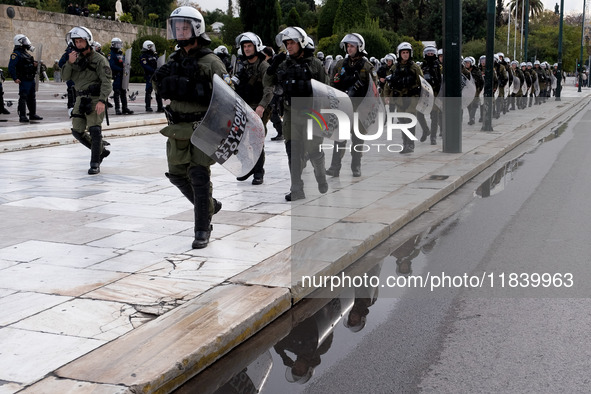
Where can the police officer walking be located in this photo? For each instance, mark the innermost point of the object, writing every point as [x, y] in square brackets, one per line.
[294, 74]
[433, 74]
[248, 81]
[149, 62]
[116, 61]
[92, 77]
[22, 68]
[476, 76]
[352, 76]
[404, 88]
[186, 80]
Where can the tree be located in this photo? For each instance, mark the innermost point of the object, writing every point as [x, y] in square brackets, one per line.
[536, 8]
[473, 13]
[499, 11]
[293, 18]
[262, 17]
[350, 13]
[230, 31]
[326, 18]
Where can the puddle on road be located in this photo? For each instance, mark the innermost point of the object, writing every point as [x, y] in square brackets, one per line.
[317, 332]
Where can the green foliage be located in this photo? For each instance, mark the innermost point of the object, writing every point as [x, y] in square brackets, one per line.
[126, 17]
[330, 45]
[326, 18]
[230, 31]
[473, 17]
[349, 13]
[474, 48]
[51, 6]
[293, 18]
[216, 15]
[94, 8]
[265, 27]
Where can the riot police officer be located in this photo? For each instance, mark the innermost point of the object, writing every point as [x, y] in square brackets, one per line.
[503, 80]
[404, 88]
[533, 92]
[22, 68]
[527, 79]
[433, 74]
[384, 70]
[517, 94]
[222, 52]
[186, 80]
[248, 81]
[91, 75]
[294, 74]
[116, 61]
[476, 76]
[149, 62]
[352, 75]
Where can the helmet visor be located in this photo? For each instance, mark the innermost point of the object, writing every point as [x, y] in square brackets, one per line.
[179, 28]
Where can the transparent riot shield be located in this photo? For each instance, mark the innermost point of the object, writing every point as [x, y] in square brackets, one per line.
[427, 98]
[468, 90]
[524, 89]
[161, 60]
[126, 70]
[553, 79]
[516, 85]
[326, 112]
[537, 88]
[231, 133]
[371, 111]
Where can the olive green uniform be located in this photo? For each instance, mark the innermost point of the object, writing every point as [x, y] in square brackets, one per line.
[187, 80]
[294, 76]
[91, 75]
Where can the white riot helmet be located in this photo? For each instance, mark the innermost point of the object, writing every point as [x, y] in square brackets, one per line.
[440, 52]
[482, 59]
[501, 55]
[338, 57]
[523, 64]
[528, 64]
[402, 47]
[96, 46]
[182, 19]
[221, 50]
[116, 43]
[354, 39]
[149, 46]
[309, 43]
[320, 55]
[250, 37]
[79, 32]
[292, 33]
[515, 63]
[507, 60]
[429, 50]
[468, 59]
[391, 57]
[20, 40]
[537, 62]
[555, 65]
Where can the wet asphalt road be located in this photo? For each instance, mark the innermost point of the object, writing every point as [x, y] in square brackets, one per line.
[527, 215]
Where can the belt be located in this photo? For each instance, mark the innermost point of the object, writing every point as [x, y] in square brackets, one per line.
[85, 93]
[177, 117]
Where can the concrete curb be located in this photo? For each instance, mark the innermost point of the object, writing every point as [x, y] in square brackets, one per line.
[151, 359]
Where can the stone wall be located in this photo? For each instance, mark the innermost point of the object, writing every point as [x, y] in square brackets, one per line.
[50, 29]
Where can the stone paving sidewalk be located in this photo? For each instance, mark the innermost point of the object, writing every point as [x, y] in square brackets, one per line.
[100, 290]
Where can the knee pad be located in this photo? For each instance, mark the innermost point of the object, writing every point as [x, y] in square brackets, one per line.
[199, 176]
[95, 131]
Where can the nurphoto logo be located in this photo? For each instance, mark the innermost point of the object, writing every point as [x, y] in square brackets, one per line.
[339, 120]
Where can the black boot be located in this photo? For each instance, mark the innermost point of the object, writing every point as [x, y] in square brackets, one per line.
[148, 100]
[22, 110]
[32, 104]
[481, 112]
[295, 163]
[259, 170]
[116, 99]
[338, 152]
[3, 110]
[203, 225]
[320, 171]
[95, 149]
[160, 107]
[125, 110]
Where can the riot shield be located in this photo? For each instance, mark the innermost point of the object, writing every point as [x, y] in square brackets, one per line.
[524, 89]
[368, 110]
[161, 60]
[553, 79]
[231, 133]
[327, 64]
[516, 85]
[427, 98]
[537, 88]
[321, 121]
[126, 70]
[468, 90]
[38, 74]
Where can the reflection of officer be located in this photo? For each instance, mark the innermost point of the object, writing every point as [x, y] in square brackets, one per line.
[405, 82]
[186, 80]
[116, 61]
[352, 76]
[309, 340]
[365, 297]
[248, 80]
[3, 111]
[92, 77]
[149, 62]
[294, 74]
[22, 68]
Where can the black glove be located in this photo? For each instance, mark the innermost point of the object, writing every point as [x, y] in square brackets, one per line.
[277, 60]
